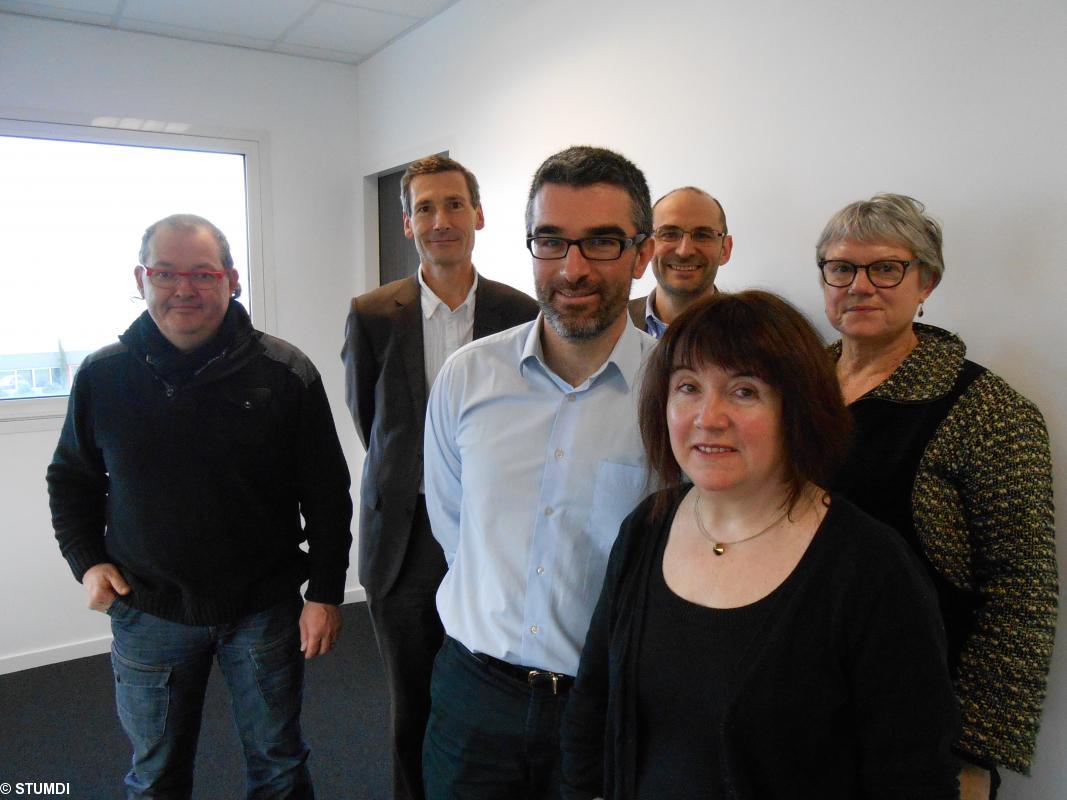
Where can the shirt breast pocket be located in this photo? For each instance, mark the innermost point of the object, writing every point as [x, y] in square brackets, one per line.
[618, 488]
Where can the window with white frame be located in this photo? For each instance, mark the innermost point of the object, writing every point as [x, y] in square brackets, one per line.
[74, 203]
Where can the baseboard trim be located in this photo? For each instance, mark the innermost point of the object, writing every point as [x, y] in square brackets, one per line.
[94, 647]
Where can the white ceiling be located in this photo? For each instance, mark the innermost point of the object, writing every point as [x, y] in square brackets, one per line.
[348, 31]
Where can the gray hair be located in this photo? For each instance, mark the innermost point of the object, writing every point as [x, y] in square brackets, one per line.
[893, 218]
[186, 222]
[583, 166]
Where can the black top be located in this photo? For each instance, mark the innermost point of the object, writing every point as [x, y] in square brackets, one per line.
[843, 691]
[959, 462]
[890, 440]
[678, 699]
[200, 474]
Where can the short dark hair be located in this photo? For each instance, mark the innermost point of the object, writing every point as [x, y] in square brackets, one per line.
[186, 222]
[431, 165]
[697, 190]
[581, 166]
[761, 334]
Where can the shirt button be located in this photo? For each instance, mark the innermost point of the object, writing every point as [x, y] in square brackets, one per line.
[534, 630]
[570, 398]
[549, 511]
[559, 454]
[540, 570]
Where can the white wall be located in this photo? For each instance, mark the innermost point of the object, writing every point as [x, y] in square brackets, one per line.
[786, 111]
[307, 110]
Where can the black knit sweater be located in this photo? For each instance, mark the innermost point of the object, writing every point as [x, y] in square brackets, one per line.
[843, 691]
[191, 472]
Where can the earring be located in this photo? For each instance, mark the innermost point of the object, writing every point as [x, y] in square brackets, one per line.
[921, 308]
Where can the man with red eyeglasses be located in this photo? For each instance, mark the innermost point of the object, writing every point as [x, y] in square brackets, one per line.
[197, 455]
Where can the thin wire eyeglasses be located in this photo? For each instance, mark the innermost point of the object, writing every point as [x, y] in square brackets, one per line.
[670, 234]
[168, 278]
[593, 248]
[884, 274]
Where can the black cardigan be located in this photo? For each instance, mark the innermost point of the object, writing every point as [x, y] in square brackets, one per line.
[846, 692]
[191, 473]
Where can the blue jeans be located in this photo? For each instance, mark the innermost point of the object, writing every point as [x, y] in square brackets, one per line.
[489, 736]
[161, 671]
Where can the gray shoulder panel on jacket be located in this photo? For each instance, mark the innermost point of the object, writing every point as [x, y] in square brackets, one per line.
[108, 351]
[294, 360]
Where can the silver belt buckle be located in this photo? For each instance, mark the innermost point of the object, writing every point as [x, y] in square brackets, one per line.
[536, 673]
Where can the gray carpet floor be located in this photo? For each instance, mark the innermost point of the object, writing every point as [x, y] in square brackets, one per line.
[58, 724]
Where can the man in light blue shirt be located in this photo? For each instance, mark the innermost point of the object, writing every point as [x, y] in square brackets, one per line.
[533, 458]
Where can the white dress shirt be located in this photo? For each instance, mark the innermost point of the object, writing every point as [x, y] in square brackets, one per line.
[527, 481]
[444, 331]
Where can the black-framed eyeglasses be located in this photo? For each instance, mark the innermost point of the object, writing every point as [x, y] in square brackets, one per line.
[672, 234]
[884, 274]
[168, 278]
[593, 248]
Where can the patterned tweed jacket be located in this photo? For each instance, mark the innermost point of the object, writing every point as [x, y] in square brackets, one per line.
[982, 510]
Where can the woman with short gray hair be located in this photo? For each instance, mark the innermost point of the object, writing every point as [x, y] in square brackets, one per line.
[958, 462]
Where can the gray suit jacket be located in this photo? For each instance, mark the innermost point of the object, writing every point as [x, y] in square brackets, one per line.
[385, 387]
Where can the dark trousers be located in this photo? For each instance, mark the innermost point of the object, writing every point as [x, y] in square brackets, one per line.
[409, 634]
[490, 736]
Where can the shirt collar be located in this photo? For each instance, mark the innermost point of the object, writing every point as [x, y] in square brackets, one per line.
[431, 301]
[655, 325]
[626, 356]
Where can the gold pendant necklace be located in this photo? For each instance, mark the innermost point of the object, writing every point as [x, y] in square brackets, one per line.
[719, 548]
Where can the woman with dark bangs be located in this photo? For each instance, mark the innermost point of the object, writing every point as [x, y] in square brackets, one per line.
[756, 636]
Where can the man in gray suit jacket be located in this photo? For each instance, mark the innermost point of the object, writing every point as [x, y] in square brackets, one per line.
[396, 339]
[692, 242]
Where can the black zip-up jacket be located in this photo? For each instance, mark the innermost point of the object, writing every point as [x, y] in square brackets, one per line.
[191, 472]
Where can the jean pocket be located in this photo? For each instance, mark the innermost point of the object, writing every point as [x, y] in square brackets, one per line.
[117, 609]
[142, 696]
[279, 667]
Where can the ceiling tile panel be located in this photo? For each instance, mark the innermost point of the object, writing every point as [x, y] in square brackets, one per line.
[193, 34]
[249, 18]
[338, 27]
[409, 8]
[347, 31]
[104, 7]
[94, 13]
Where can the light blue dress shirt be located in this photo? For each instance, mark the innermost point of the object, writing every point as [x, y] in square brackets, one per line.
[656, 326]
[527, 480]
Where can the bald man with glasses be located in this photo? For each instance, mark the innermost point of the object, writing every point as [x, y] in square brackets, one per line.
[692, 242]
